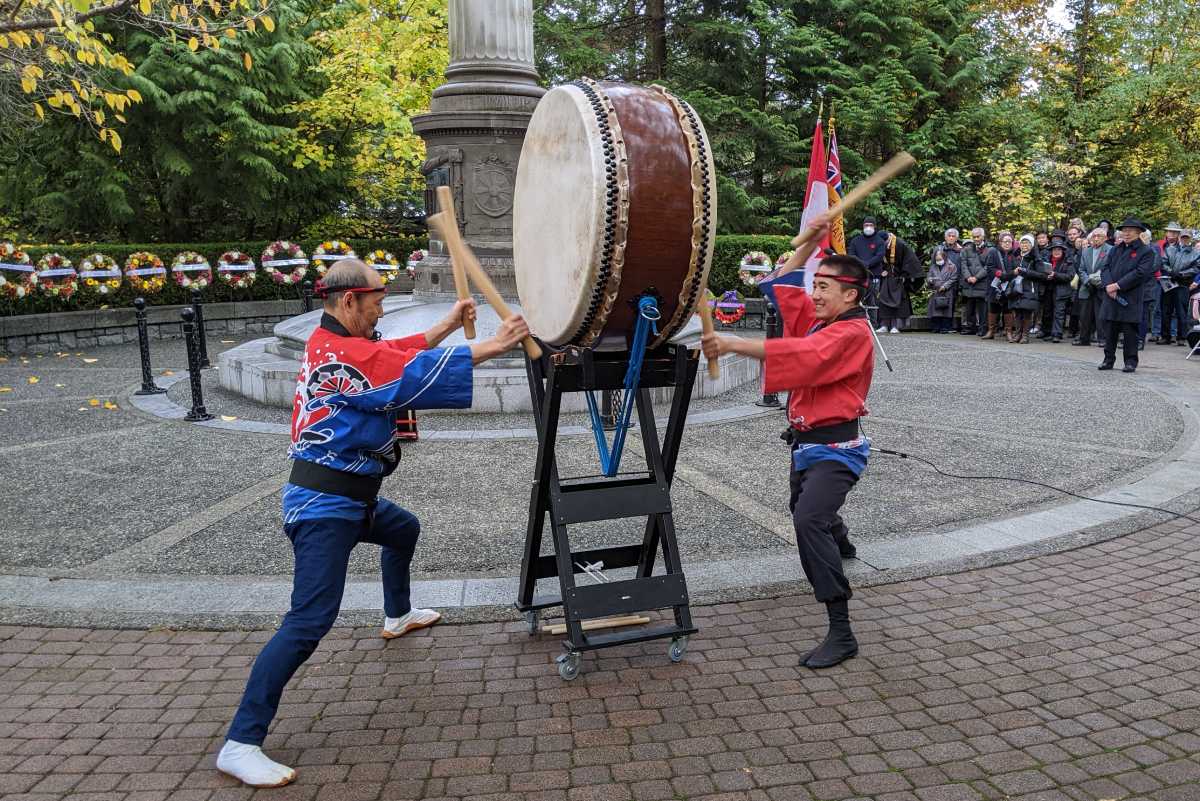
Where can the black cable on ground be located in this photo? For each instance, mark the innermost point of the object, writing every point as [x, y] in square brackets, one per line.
[902, 455]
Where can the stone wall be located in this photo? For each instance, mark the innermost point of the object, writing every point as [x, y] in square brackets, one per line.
[43, 333]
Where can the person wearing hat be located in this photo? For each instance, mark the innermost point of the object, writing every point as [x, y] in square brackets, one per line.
[1124, 276]
[1183, 265]
[870, 247]
[1061, 272]
[1168, 310]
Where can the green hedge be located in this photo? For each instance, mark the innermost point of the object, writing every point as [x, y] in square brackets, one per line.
[262, 289]
[727, 255]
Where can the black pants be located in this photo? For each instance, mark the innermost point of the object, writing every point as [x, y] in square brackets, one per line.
[974, 315]
[1174, 307]
[1045, 320]
[1061, 306]
[1089, 314]
[817, 495]
[1129, 347]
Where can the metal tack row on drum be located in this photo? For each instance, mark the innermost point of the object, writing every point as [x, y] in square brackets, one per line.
[615, 199]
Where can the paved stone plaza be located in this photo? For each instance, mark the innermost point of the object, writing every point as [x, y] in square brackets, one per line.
[1016, 644]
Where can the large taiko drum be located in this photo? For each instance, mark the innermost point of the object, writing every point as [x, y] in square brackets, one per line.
[616, 198]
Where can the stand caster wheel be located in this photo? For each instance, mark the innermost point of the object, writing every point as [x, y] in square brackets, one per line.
[531, 621]
[568, 665]
[678, 649]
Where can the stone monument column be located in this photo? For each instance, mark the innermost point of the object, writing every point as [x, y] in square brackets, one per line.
[473, 134]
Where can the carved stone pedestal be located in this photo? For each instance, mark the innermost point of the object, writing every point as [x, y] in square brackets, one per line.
[473, 135]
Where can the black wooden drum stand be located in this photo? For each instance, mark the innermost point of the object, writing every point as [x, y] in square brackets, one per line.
[582, 500]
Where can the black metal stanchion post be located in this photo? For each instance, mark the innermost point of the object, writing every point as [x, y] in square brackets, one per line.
[198, 412]
[148, 385]
[773, 326]
[201, 334]
[306, 296]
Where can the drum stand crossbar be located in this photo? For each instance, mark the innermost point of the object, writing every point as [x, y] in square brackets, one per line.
[580, 500]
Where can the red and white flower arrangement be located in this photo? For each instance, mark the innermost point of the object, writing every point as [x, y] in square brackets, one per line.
[285, 262]
[236, 269]
[190, 269]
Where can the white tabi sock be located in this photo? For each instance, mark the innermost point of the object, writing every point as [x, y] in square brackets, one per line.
[415, 619]
[249, 765]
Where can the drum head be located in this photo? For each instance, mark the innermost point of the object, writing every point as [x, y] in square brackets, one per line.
[558, 214]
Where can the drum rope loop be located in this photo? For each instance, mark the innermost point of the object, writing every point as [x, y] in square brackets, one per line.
[647, 323]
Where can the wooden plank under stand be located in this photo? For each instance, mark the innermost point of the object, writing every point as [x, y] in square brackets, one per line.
[595, 498]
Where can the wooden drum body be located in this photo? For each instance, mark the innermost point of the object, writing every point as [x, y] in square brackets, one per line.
[615, 198]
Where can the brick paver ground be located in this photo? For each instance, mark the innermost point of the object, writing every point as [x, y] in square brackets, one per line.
[1067, 677]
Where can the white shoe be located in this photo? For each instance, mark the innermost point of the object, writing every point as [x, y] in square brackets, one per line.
[249, 765]
[881, 329]
[895, 330]
[416, 619]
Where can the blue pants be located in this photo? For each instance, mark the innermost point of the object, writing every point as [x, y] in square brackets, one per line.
[322, 548]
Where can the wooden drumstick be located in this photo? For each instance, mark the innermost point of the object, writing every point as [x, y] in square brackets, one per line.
[441, 220]
[461, 252]
[896, 165]
[706, 328]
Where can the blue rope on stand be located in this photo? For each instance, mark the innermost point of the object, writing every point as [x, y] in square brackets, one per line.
[610, 460]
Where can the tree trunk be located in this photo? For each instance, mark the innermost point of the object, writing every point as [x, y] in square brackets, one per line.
[656, 34]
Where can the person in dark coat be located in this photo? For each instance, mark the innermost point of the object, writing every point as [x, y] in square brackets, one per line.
[943, 281]
[869, 247]
[1183, 264]
[974, 275]
[1125, 275]
[1043, 319]
[1058, 282]
[1025, 288]
[1007, 259]
[902, 274]
[1091, 260]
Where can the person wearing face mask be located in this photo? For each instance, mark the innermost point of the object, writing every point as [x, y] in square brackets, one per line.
[1042, 318]
[1183, 264]
[974, 274]
[1091, 259]
[1025, 288]
[1006, 259]
[943, 280]
[1124, 275]
[870, 247]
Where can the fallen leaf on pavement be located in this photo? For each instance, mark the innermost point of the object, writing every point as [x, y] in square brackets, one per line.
[110, 405]
[228, 341]
[228, 417]
[33, 379]
[5, 389]
[59, 386]
[168, 372]
[90, 361]
[94, 402]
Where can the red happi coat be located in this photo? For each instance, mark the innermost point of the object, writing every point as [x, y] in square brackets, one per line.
[826, 369]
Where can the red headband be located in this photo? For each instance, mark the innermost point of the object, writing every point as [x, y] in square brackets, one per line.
[844, 279]
[322, 291]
